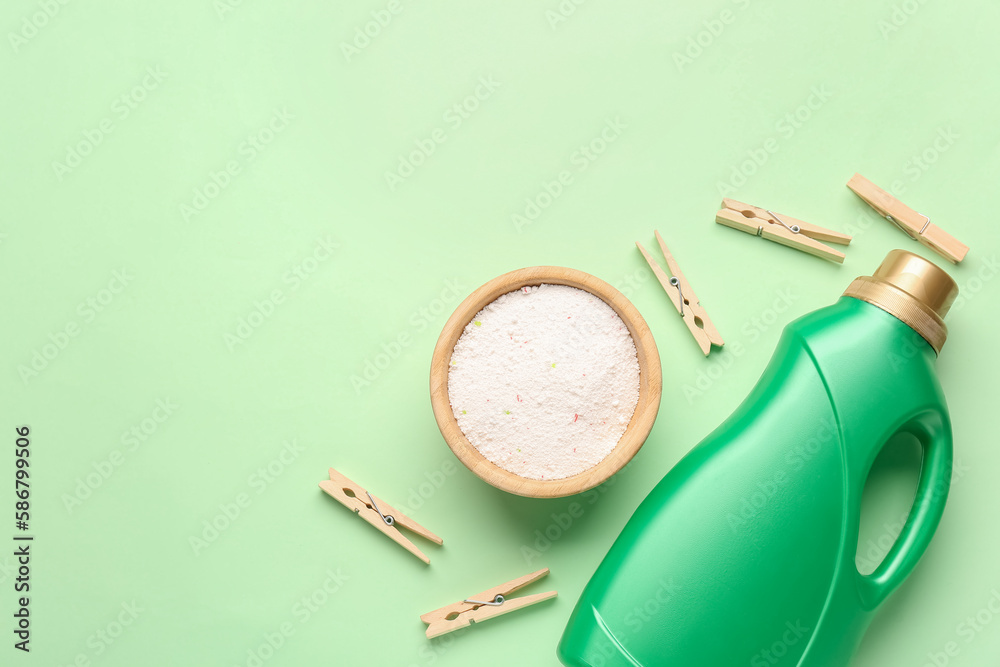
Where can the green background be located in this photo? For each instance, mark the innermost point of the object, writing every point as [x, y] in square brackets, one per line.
[902, 92]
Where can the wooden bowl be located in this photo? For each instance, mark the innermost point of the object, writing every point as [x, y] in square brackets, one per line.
[650, 383]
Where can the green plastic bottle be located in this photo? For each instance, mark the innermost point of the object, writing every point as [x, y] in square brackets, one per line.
[744, 554]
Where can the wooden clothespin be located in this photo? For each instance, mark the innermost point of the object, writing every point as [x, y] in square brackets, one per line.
[377, 512]
[482, 606]
[781, 229]
[916, 225]
[684, 299]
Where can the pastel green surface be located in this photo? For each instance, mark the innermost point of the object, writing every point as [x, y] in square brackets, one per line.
[171, 169]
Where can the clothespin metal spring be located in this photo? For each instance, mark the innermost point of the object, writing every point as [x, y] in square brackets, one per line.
[385, 517]
[794, 229]
[676, 282]
[906, 231]
[497, 601]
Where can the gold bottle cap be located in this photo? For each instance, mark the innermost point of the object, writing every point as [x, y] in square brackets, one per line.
[912, 289]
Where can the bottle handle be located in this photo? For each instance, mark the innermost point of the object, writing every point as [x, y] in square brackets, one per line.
[933, 430]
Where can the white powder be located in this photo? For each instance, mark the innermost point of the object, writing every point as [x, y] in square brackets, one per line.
[544, 381]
